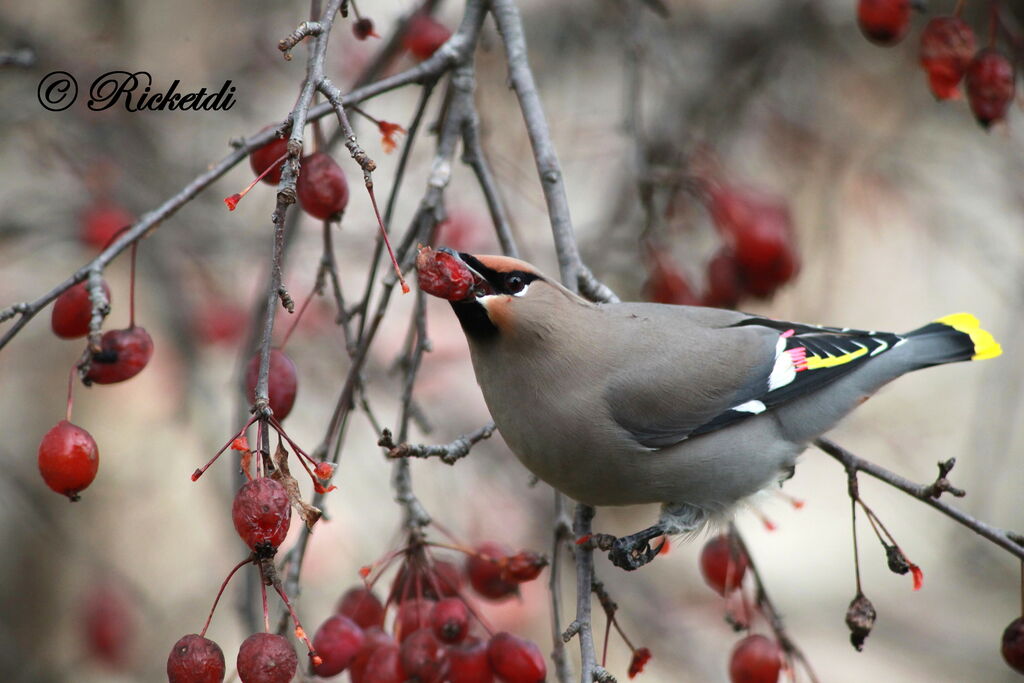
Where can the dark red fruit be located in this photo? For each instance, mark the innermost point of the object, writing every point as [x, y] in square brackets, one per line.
[322, 187]
[260, 159]
[374, 638]
[266, 658]
[990, 86]
[68, 459]
[423, 657]
[424, 35]
[666, 283]
[724, 286]
[516, 660]
[450, 620]
[282, 382]
[262, 514]
[486, 573]
[361, 606]
[723, 564]
[884, 22]
[72, 311]
[443, 275]
[1013, 645]
[438, 580]
[219, 322]
[337, 641]
[101, 221]
[412, 616]
[383, 666]
[124, 353]
[525, 566]
[363, 29]
[468, 662]
[947, 46]
[755, 659]
[195, 659]
[109, 624]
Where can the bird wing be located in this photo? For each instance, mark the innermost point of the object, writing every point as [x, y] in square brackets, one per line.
[712, 368]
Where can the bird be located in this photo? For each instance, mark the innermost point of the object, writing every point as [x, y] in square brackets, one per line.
[691, 407]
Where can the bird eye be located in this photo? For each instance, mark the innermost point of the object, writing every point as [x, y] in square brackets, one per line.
[514, 283]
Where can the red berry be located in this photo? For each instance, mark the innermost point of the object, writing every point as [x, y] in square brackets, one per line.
[423, 658]
[374, 638]
[266, 658]
[947, 46]
[755, 659]
[724, 286]
[361, 606]
[666, 283]
[516, 660]
[322, 188]
[424, 35]
[723, 564]
[363, 28]
[438, 580]
[195, 659]
[262, 158]
[884, 22]
[68, 459]
[124, 353]
[525, 566]
[282, 382]
[450, 620]
[989, 86]
[101, 221]
[443, 275]
[72, 311]
[485, 572]
[109, 624]
[468, 662]
[337, 641]
[1013, 645]
[412, 616]
[262, 514]
[219, 322]
[383, 666]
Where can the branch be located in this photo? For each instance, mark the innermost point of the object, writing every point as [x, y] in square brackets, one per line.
[928, 494]
[449, 452]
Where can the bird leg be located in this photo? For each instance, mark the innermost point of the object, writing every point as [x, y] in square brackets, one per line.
[634, 551]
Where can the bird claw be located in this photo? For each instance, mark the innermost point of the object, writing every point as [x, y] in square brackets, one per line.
[634, 551]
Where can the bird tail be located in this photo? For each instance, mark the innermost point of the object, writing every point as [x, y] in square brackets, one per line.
[952, 338]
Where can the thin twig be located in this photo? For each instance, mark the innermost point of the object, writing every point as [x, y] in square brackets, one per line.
[449, 453]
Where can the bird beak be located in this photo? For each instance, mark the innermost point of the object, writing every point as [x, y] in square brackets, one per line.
[481, 285]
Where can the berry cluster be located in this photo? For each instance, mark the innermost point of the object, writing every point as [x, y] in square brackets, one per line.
[949, 54]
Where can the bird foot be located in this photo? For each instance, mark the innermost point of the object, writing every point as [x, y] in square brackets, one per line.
[634, 551]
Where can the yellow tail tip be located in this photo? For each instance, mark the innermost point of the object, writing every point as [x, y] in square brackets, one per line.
[985, 345]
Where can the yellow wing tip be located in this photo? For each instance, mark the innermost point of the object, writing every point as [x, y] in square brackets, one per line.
[985, 345]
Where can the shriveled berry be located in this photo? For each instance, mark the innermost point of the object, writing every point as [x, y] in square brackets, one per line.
[468, 662]
[525, 566]
[363, 28]
[423, 657]
[724, 286]
[516, 660]
[282, 382]
[101, 221]
[195, 659]
[322, 187]
[109, 624]
[123, 354]
[723, 564]
[361, 606]
[947, 46]
[884, 22]
[373, 638]
[337, 641]
[423, 35]
[383, 666]
[755, 659]
[262, 514]
[68, 459]
[443, 275]
[666, 283]
[1013, 645]
[990, 86]
[261, 158]
[266, 658]
[450, 620]
[412, 616]
[485, 572]
[72, 311]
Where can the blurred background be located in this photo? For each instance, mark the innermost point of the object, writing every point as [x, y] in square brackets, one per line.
[902, 209]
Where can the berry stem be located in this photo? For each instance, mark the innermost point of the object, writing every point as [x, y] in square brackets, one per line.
[199, 472]
[958, 9]
[131, 287]
[233, 200]
[387, 240]
[221, 592]
[263, 594]
[71, 384]
[856, 551]
[300, 632]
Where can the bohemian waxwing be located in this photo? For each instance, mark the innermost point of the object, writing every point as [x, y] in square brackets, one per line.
[695, 408]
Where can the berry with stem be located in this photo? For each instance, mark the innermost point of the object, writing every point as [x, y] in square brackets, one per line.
[486, 573]
[516, 660]
[468, 662]
[322, 188]
[68, 459]
[266, 658]
[337, 642]
[423, 657]
[450, 620]
[101, 222]
[424, 35]
[282, 382]
[383, 666]
[361, 606]
[1013, 645]
[195, 659]
[723, 564]
[884, 22]
[262, 515]
[122, 355]
[72, 311]
[268, 160]
[947, 46]
[990, 86]
[755, 659]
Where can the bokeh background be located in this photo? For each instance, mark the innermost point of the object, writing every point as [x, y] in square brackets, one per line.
[904, 210]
